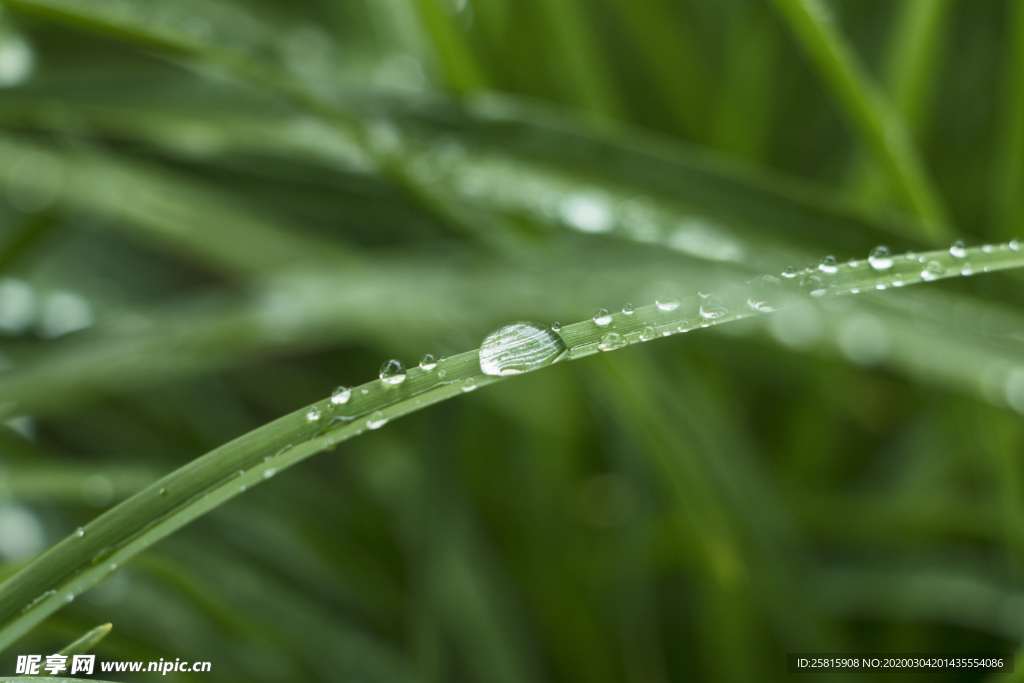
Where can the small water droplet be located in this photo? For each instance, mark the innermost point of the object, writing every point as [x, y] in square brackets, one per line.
[897, 280]
[79, 532]
[1015, 244]
[521, 347]
[341, 395]
[313, 414]
[468, 384]
[428, 362]
[758, 305]
[557, 327]
[70, 597]
[829, 265]
[958, 250]
[933, 271]
[627, 309]
[667, 303]
[269, 472]
[113, 565]
[711, 308]
[612, 341]
[365, 391]
[602, 317]
[988, 248]
[684, 326]
[392, 372]
[880, 258]
[880, 286]
[647, 334]
[376, 420]
[967, 269]
[441, 373]
[854, 263]
[789, 272]
[163, 492]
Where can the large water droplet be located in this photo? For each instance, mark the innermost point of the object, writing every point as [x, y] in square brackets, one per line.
[711, 308]
[829, 265]
[341, 395]
[428, 362]
[667, 303]
[376, 420]
[880, 258]
[520, 347]
[392, 372]
[958, 250]
[612, 341]
[602, 317]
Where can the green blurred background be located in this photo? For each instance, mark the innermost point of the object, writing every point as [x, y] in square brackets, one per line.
[212, 213]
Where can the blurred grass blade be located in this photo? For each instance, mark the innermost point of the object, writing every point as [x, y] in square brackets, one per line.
[914, 55]
[1008, 177]
[158, 207]
[867, 110]
[461, 66]
[87, 642]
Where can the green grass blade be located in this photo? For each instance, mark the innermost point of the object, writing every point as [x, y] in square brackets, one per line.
[463, 71]
[914, 51]
[1008, 178]
[87, 642]
[80, 561]
[867, 110]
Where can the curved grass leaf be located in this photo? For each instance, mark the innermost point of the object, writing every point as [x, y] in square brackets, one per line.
[87, 642]
[80, 561]
[867, 109]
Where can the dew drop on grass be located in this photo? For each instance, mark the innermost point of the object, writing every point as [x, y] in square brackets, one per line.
[612, 341]
[341, 395]
[931, 272]
[376, 420]
[647, 334]
[829, 265]
[602, 317]
[163, 492]
[880, 258]
[468, 384]
[667, 303]
[789, 272]
[988, 248]
[313, 414]
[441, 373]
[1015, 244]
[269, 472]
[521, 347]
[684, 326]
[967, 269]
[392, 372]
[428, 362]
[958, 250]
[557, 327]
[711, 308]
[627, 309]
[80, 532]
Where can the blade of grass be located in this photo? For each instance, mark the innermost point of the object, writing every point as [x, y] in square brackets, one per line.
[1008, 177]
[461, 66]
[87, 642]
[867, 110]
[82, 560]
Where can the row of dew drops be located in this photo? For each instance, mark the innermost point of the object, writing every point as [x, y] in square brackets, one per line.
[525, 346]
